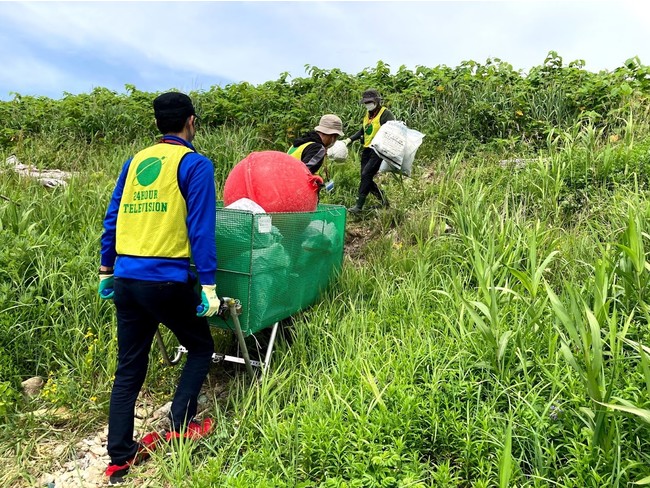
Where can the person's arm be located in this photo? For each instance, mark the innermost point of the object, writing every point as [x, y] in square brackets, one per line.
[357, 135]
[313, 156]
[108, 253]
[386, 116]
[196, 178]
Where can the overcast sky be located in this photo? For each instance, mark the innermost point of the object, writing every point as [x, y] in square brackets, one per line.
[48, 48]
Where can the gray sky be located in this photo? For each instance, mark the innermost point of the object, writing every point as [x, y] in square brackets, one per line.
[48, 48]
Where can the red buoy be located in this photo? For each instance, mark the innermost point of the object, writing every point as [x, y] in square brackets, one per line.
[275, 181]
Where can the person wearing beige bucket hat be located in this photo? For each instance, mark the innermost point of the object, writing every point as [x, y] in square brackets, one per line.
[311, 148]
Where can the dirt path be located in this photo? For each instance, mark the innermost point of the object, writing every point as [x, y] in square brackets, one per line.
[83, 465]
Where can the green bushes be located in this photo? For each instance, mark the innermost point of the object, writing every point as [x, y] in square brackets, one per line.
[457, 108]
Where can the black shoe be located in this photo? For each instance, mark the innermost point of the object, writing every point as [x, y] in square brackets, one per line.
[358, 206]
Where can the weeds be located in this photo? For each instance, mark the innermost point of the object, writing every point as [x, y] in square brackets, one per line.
[495, 332]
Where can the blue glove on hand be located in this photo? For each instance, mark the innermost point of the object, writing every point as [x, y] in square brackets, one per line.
[210, 302]
[106, 285]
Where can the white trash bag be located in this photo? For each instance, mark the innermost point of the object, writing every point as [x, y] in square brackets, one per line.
[413, 142]
[397, 147]
[338, 152]
[389, 142]
[247, 205]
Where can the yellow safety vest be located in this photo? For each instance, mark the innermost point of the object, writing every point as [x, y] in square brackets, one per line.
[151, 220]
[296, 152]
[370, 127]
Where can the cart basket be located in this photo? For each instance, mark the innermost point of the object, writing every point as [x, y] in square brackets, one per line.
[276, 264]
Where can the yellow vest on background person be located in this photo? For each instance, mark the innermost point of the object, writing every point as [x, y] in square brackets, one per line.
[370, 127]
[151, 220]
[296, 152]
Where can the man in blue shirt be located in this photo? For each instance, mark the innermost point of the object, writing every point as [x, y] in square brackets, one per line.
[161, 214]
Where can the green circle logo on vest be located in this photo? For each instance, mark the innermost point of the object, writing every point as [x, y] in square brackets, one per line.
[149, 170]
[369, 129]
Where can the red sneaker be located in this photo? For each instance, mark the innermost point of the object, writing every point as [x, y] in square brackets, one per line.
[116, 472]
[193, 431]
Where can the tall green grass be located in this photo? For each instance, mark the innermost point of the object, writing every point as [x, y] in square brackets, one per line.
[492, 331]
[497, 352]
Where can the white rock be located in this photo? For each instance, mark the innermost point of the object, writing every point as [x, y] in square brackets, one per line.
[162, 411]
[32, 386]
[98, 450]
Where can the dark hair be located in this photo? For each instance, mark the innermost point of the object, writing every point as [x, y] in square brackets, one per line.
[171, 126]
[172, 110]
[371, 95]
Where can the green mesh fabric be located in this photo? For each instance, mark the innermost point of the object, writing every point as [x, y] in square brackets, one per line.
[276, 264]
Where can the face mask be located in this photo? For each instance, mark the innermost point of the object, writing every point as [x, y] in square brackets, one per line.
[370, 106]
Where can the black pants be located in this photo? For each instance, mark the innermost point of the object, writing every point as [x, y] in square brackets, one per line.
[140, 307]
[370, 164]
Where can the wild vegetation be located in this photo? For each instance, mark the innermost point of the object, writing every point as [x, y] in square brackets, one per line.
[492, 329]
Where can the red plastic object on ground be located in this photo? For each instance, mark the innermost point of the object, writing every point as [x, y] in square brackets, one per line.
[275, 181]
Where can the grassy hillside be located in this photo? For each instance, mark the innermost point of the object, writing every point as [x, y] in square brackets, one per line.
[490, 329]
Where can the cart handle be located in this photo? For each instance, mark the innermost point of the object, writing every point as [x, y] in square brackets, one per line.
[224, 307]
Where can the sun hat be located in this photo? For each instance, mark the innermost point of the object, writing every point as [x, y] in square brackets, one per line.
[330, 124]
[173, 105]
[370, 96]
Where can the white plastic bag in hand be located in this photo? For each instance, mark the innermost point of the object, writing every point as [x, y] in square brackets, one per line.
[338, 152]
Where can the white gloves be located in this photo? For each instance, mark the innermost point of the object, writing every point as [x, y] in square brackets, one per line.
[209, 301]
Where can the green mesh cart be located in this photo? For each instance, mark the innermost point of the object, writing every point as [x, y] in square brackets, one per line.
[272, 266]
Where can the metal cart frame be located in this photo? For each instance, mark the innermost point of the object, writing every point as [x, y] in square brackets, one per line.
[232, 307]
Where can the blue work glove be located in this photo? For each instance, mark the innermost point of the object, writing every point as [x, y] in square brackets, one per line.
[106, 285]
[209, 301]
